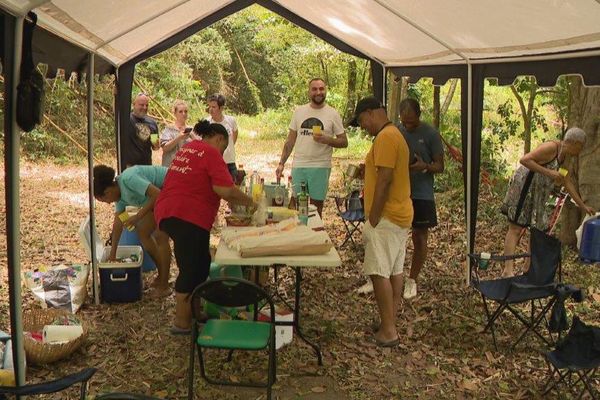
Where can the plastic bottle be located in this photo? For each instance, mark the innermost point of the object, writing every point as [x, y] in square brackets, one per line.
[290, 191]
[255, 186]
[260, 216]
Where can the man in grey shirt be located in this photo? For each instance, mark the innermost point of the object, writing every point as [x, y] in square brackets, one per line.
[427, 159]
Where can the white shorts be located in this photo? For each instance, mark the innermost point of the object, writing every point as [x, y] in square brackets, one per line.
[385, 248]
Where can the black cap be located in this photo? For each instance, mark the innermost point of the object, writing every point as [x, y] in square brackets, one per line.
[367, 103]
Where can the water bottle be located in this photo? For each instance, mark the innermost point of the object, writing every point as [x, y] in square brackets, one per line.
[303, 201]
[255, 186]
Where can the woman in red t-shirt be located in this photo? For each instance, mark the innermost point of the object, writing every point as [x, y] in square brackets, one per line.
[186, 208]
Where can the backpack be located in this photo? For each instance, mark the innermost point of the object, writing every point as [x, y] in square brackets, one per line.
[30, 90]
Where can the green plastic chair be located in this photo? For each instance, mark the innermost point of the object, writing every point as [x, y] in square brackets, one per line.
[231, 334]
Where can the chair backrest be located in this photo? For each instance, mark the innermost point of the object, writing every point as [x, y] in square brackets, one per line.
[230, 292]
[545, 258]
[354, 203]
[581, 346]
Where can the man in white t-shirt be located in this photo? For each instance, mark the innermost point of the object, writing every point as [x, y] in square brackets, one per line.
[216, 104]
[315, 129]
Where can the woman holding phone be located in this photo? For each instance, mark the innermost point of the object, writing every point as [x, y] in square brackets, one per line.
[176, 135]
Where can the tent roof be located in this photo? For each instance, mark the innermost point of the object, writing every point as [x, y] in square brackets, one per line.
[393, 32]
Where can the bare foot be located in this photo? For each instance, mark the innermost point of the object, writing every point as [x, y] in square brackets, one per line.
[385, 337]
[158, 292]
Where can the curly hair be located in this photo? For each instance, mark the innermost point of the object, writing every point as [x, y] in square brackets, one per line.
[104, 177]
[208, 130]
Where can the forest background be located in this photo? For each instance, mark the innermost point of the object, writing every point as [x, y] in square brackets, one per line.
[262, 63]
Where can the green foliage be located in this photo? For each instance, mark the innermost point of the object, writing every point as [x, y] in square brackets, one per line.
[271, 124]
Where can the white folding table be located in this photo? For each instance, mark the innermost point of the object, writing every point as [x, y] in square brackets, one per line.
[330, 260]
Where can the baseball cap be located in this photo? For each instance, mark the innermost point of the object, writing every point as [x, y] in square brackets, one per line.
[364, 104]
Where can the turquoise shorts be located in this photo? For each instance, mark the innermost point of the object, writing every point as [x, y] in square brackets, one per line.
[317, 181]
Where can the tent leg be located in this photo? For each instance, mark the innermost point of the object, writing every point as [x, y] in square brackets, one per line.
[90, 149]
[13, 237]
[469, 203]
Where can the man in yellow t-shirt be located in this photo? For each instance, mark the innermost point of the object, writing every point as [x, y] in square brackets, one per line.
[389, 213]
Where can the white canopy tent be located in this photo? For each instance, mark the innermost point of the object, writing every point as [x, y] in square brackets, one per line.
[394, 32]
[467, 39]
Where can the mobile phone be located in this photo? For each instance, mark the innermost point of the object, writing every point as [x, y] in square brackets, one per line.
[187, 130]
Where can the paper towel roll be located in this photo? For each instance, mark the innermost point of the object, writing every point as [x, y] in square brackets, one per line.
[61, 333]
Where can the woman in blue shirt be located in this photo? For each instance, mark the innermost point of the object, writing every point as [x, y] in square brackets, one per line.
[137, 186]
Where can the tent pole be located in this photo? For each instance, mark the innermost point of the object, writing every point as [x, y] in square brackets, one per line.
[13, 236]
[90, 146]
[469, 204]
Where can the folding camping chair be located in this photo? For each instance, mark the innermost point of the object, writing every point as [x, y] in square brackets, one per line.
[352, 213]
[578, 355]
[54, 386]
[537, 284]
[232, 334]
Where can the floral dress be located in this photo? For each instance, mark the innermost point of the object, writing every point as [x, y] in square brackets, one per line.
[528, 192]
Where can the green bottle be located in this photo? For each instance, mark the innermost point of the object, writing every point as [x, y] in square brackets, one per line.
[303, 201]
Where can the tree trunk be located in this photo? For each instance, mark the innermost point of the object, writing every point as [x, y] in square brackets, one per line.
[436, 107]
[448, 99]
[394, 99]
[351, 93]
[584, 112]
[526, 116]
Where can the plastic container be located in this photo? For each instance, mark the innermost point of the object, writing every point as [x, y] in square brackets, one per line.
[589, 250]
[120, 282]
[283, 333]
[131, 238]
[218, 271]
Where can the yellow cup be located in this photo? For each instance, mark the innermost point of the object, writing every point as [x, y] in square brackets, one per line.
[316, 130]
[154, 138]
[124, 216]
[563, 171]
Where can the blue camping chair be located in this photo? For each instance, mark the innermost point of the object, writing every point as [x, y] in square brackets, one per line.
[351, 211]
[54, 386]
[539, 284]
[576, 359]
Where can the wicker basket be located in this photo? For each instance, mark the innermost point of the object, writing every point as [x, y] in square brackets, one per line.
[44, 353]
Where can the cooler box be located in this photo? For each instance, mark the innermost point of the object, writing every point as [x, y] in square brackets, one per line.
[283, 333]
[589, 250]
[131, 238]
[120, 282]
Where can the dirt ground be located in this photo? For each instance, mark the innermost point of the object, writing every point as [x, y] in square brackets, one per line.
[442, 353]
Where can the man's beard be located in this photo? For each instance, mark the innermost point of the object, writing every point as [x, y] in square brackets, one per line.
[318, 99]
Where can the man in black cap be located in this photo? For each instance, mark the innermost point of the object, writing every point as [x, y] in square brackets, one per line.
[388, 211]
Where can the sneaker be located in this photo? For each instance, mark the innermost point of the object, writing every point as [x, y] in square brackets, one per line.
[366, 288]
[410, 288]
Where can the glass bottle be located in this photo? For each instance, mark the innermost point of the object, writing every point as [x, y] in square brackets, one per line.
[278, 194]
[303, 201]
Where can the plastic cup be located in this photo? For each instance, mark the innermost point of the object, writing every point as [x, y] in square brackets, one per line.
[316, 130]
[563, 171]
[154, 138]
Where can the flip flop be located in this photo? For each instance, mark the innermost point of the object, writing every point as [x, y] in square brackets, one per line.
[390, 343]
[175, 330]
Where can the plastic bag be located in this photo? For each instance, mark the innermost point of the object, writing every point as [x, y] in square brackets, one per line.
[579, 231]
[59, 287]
